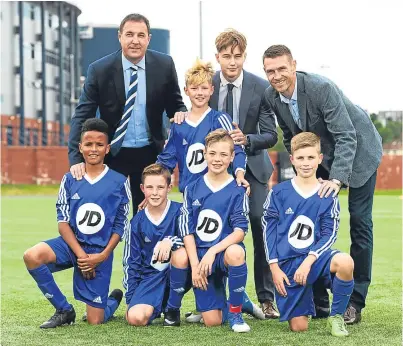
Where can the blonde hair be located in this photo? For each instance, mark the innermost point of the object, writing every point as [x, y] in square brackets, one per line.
[156, 169]
[304, 140]
[199, 73]
[230, 37]
[219, 135]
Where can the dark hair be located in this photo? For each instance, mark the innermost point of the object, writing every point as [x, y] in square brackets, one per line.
[156, 169]
[135, 17]
[94, 124]
[276, 51]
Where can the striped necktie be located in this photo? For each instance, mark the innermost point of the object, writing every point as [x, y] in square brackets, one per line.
[295, 113]
[120, 132]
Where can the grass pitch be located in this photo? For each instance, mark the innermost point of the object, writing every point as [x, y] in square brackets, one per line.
[28, 220]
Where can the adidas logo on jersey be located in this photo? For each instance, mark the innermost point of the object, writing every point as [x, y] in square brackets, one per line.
[147, 240]
[98, 300]
[240, 289]
[48, 295]
[196, 203]
[75, 196]
[179, 290]
[184, 142]
[289, 211]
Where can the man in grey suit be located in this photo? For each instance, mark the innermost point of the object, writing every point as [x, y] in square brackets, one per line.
[352, 152]
[239, 93]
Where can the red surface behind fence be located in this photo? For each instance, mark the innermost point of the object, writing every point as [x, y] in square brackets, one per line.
[46, 165]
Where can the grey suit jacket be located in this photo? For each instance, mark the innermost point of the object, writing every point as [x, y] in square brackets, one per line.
[257, 120]
[351, 145]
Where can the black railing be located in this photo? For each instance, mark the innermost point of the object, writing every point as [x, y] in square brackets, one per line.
[10, 135]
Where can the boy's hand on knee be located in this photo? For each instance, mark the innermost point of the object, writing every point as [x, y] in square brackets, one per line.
[278, 279]
[162, 251]
[199, 281]
[90, 262]
[89, 275]
[301, 274]
[206, 264]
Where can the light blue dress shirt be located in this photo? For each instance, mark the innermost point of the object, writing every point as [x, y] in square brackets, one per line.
[138, 132]
[293, 105]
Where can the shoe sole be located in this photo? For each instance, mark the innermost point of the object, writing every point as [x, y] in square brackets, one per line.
[62, 325]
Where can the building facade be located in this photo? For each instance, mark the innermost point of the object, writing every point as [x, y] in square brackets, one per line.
[40, 70]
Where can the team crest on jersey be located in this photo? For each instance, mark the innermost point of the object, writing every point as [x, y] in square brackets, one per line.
[301, 232]
[195, 158]
[90, 218]
[209, 225]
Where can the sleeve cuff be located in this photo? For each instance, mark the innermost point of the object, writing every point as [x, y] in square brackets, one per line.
[274, 260]
[314, 253]
[59, 221]
[239, 169]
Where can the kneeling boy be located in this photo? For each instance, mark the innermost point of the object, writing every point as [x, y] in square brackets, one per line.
[148, 248]
[213, 223]
[92, 218]
[299, 230]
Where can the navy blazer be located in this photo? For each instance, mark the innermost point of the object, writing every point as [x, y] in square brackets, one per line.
[257, 120]
[104, 88]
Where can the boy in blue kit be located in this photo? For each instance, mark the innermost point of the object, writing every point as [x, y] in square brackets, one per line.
[213, 223]
[148, 248]
[185, 145]
[299, 229]
[92, 218]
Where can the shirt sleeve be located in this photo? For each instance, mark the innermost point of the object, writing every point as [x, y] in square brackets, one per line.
[186, 226]
[270, 221]
[168, 157]
[329, 226]
[63, 201]
[121, 223]
[132, 261]
[240, 159]
[239, 216]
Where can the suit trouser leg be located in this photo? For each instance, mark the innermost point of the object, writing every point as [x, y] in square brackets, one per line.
[131, 163]
[360, 203]
[263, 278]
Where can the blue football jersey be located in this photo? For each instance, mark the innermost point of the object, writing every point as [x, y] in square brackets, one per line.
[95, 208]
[141, 241]
[211, 214]
[185, 147]
[296, 223]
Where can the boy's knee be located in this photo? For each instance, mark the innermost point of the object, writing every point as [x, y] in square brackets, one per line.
[212, 321]
[32, 257]
[343, 262]
[96, 319]
[235, 255]
[179, 258]
[299, 324]
[136, 319]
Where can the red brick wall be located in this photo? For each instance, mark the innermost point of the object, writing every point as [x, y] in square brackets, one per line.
[46, 165]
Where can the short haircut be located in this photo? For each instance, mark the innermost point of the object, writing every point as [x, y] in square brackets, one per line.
[95, 124]
[219, 135]
[230, 38]
[199, 73]
[277, 50]
[135, 17]
[156, 169]
[304, 140]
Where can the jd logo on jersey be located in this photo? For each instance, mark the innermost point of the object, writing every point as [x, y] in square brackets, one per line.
[209, 225]
[301, 232]
[195, 159]
[90, 218]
